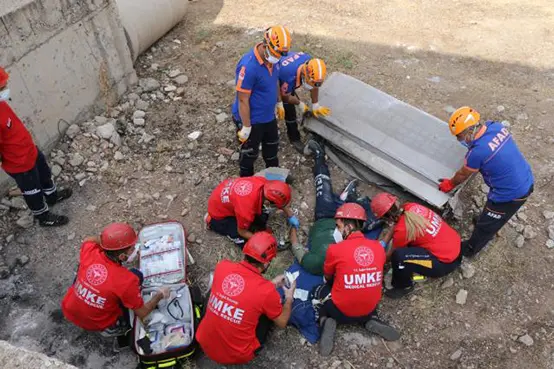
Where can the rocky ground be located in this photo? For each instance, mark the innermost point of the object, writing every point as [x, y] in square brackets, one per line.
[158, 154]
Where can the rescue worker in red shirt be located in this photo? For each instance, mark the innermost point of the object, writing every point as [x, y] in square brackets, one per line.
[353, 270]
[236, 206]
[26, 164]
[243, 304]
[422, 242]
[104, 289]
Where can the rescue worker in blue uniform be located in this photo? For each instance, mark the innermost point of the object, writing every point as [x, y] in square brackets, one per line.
[493, 152]
[258, 100]
[297, 70]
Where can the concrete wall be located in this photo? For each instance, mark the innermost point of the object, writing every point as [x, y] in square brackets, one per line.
[16, 357]
[66, 59]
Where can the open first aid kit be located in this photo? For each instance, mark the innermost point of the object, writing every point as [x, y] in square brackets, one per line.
[166, 335]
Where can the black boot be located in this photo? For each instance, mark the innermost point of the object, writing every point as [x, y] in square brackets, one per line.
[52, 220]
[382, 329]
[349, 193]
[397, 293]
[298, 146]
[314, 148]
[327, 340]
[467, 250]
[61, 194]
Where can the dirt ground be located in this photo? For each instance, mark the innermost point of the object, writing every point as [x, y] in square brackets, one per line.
[496, 56]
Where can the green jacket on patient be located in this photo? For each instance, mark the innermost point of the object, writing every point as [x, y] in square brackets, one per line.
[319, 239]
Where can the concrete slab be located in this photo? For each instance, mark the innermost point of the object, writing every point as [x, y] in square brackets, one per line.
[394, 139]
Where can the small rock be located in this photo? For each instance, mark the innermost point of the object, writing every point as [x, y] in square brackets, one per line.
[10, 238]
[448, 282]
[194, 135]
[138, 122]
[80, 176]
[191, 237]
[522, 216]
[116, 139]
[468, 270]
[26, 221]
[71, 236]
[173, 73]
[449, 109]
[76, 159]
[156, 195]
[461, 297]
[550, 244]
[221, 117]
[225, 151]
[138, 114]
[548, 214]
[148, 165]
[184, 212]
[22, 260]
[220, 44]
[142, 105]
[149, 84]
[133, 96]
[59, 160]
[199, 241]
[230, 83]
[169, 88]
[222, 159]
[434, 79]
[520, 241]
[154, 66]
[513, 350]
[235, 156]
[90, 208]
[118, 156]
[527, 340]
[551, 231]
[105, 131]
[529, 232]
[484, 188]
[18, 203]
[522, 116]
[456, 355]
[72, 130]
[506, 124]
[519, 227]
[500, 108]
[100, 120]
[181, 80]
[304, 205]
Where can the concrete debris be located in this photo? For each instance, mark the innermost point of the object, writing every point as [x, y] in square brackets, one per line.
[519, 227]
[118, 156]
[154, 66]
[22, 260]
[221, 117]
[235, 156]
[170, 88]
[100, 120]
[468, 270]
[191, 238]
[194, 135]
[142, 105]
[138, 122]
[526, 339]
[520, 241]
[522, 216]
[156, 195]
[181, 80]
[174, 73]
[448, 282]
[550, 244]
[529, 232]
[148, 165]
[222, 159]
[184, 212]
[149, 84]
[71, 236]
[230, 83]
[17, 357]
[461, 297]
[59, 160]
[548, 214]
[522, 116]
[506, 124]
[146, 138]
[449, 109]
[105, 131]
[434, 79]
[500, 108]
[18, 203]
[76, 159]
[73, 130]
[116, 139]
[25, 221]
[551, 231]
[133, 96]
[456, 355]
[90, 208]
[138, 114]
[80, 176]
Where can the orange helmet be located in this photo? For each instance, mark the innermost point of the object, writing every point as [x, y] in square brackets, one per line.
[351, 210]
[278, 193]
[314, 71]
[4, 76]
[262, 246]
[278, 40]
[462, 119]
[118, 236]
[381, 203]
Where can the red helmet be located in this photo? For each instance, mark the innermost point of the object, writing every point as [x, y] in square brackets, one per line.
[118, 236]
[381, 203]
[262, 246]
[278, 193]
[4, 76]
[351, 210]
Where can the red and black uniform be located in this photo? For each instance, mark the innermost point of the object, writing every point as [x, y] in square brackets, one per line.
[25, 163]
[241, 305]
[237, 202]
[356, 267]
[94, 301]
[434, 253]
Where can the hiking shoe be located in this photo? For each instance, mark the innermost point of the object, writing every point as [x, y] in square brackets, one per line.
[327, 336]
[382, 329]
[298, 146]
[313, 147]
[61, 194]
[349, 193]
[52, 220]
[467, 250]
[397, 293]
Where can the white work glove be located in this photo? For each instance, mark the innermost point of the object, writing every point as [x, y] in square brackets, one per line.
[280, 110]
[322, 111]
[244, 133]
[303, 108]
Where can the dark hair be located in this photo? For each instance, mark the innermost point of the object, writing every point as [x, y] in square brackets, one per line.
[356, 224]
[254, 262]
[114, 254]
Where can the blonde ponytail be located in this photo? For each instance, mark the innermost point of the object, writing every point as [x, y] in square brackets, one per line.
[416, 224]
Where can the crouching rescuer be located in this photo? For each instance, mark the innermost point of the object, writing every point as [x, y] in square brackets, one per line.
[353, 270]
[243, 305]
[103, 289]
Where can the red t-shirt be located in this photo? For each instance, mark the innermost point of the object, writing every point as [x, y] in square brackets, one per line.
[356, 265]
[237, 197]
[439, 238]
[18, 152]
[94, 301]
[240, 295]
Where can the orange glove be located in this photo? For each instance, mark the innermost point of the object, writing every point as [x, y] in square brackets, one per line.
[446, 185]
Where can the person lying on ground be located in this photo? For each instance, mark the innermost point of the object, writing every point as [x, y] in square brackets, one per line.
[422, 242]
